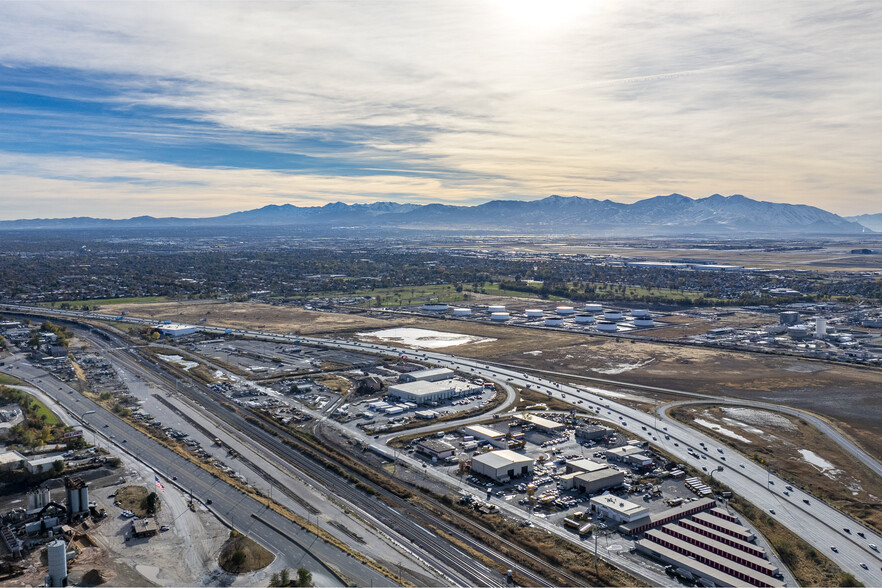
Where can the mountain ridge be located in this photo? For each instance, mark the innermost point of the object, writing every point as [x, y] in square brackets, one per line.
[659, 215]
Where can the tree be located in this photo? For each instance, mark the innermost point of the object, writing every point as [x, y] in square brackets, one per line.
[57, 466]
[150, 504]
[304, 577]
[285, 577]
[238, 559]
[274, 580]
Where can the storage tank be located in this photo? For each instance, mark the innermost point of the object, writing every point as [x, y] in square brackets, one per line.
[499, 316]
[798, 331]
[84, 498]
[639, 312]
[554, 322]
[533, 313]
[73, 500]
[38, 498]
[820, 327]
[612, 315]
[644, 322]
[607, 326]
[496, 308]
[593, 307]
[462, 312]
[434, 306]
[564, 310]
[57, 556]
[585, 319]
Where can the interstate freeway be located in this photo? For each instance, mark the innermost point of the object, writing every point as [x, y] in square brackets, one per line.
[818, 523]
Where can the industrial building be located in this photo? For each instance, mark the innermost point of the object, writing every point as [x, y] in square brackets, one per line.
[176, 330]
[580, 466]
[436, 448]
[486, 435]
[703, 570]
[10, 460]
[593, 482]
[502, 465]
[675, 513]
[789, 317]
[144, 528]
[431, 375]
[423, 392]
[40, 465]
[593, 432]
[544, 425]
[618, 509]
[630, 454]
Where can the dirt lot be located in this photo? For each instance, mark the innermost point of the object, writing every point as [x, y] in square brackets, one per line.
[846, 394]
[777, 440]
[241, 315]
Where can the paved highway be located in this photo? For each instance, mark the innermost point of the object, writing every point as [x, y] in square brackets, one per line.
[821, 525]
[231, 505]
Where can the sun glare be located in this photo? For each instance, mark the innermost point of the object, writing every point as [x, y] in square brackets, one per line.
[543, 15]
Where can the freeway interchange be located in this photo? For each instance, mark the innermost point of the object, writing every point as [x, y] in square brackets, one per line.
[818, 523]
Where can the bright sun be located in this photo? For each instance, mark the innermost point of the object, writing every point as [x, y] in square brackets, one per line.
[543, 14]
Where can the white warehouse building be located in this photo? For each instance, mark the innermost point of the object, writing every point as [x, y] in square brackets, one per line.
[502, 465]
[430, 375]
[423, 392]
[618, 509]
[176, 330]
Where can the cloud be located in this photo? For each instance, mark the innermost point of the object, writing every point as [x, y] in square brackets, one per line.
[460, 101]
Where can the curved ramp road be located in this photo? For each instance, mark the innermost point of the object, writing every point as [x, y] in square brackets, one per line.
[819, 524]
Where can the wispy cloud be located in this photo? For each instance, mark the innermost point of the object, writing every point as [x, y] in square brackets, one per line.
[195, 109]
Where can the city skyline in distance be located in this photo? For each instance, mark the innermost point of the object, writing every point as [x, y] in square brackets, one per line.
[119, 110]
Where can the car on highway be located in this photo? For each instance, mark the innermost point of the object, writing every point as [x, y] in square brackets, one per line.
[834, 549]
[863, 565]
[873, 547]
[208, 501]
[806, 500]
[847, 530]
[772, 510]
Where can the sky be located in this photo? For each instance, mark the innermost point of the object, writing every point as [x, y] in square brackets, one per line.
[118, 109]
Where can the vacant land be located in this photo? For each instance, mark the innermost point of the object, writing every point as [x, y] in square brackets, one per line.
[131, 497]
[797, 452]
[847, 394]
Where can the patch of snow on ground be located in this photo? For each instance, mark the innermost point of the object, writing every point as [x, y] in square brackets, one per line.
[758, 417]
[721, 430]
[743, 426]
[826, 468]
[534, 353]
[422, 338]
[187, 365]
[621, 368]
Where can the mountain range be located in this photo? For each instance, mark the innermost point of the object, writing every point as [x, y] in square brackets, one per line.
[674, 214]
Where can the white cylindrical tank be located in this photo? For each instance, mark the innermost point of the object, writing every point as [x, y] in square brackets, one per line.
[593, 307]
[499, 316]
[73, 497]
[607, 326]
[820, 327]
[57, 555]
[644, 322]
[434, 306]
[84, 498]
[496, 308]
[585, 319]
[462, 312]
[612, 315]
[38, 498]
[639, 312]
[564, 310]
[554, 322]
[533, 313]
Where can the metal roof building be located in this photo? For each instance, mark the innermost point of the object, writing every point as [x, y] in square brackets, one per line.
[431, 375]
[423, 392]
[502, 464]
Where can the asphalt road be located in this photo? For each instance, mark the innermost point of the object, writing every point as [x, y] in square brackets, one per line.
[819, 524]
[231, 505]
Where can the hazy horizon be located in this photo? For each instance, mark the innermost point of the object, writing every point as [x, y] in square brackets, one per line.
[117, 110]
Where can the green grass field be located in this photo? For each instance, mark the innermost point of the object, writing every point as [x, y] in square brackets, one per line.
[106, 301]
[7, 380]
